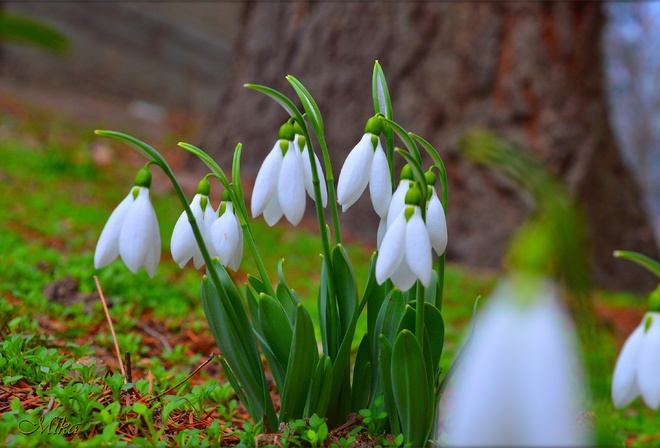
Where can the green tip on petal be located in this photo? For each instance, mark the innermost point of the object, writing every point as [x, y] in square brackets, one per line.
[286, 132]
[203, 202]
[226, 197]
[647, 323]
[222, 209]
[284, 146]
[204, 187]
[406, 173]
[430, 177]
[374, 141]
[135, 193]
[143, 178]
[374, 126]
[408, 212]
[301, 142]
[413, 196]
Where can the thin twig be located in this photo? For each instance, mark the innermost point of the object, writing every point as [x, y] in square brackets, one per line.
[185, 379]
[156, 335]
[127, 362]
[112, 328]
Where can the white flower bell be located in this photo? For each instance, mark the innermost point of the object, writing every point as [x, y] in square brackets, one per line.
[637, 371]
[436, 222]
[227, 235]
[405, 252]
[398, 201]
[302, 146]
[520, 381]
[280, 185]
[366, 164]
[183, 244]
[132, 231]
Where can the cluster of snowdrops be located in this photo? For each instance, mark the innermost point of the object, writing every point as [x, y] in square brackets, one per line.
[519, 383]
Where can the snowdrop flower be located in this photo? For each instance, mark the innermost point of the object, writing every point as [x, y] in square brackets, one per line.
[366, 164]
[436, 223]
[132, 231]
[302, 146]
[637, 370]
[520, 380]
[280, 186]
[183, 244]
[227, 235]
[405, 252]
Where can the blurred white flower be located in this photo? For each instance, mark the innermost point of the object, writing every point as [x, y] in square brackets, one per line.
[183, 244]
[132, 233]
[637, 371]
[405, 252]
[227, 237]
[280, 186]
[520, 380]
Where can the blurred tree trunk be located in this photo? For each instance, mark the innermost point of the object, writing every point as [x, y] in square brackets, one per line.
[529, 71]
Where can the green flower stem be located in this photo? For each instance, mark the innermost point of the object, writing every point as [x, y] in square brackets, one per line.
[239, 204]
[419, 315]
[330, 180]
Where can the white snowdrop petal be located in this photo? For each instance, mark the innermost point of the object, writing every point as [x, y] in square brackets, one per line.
[418, 248]
[135, 237]
[153, 252]
[224, 235]
[265, 185]
[624, 381]
[380, 182]
[107, 248]
[545, 365]
[382, 228]
[391, 250]
[398, 201]
[181, 244]
[436, 224]
[322, 183]
[402, 277]
[481, 412]
[209, 217]
[648, 364]
[291, 187]
[273, 212]
[236, 258]
[354, 175]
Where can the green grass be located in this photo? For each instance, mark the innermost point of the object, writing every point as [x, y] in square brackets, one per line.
[55, 208]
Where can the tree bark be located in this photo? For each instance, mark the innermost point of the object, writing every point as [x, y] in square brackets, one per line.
[526, 70]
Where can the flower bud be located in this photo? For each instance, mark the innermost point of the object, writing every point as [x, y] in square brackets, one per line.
[654, 300]
[286, 132]
[226, 197]
[413, 196]
[143, 178]
[373, 126]
[204, 187]
[296, 128]
[406, 173]
[430, 177]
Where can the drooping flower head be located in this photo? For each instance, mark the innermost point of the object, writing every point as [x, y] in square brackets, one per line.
[436, 223]
[405, 253]
[183, 244]
[132, 231]
[637, 370]
[366, 164]
[227, 234]
[280, 185]
[301, 144]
